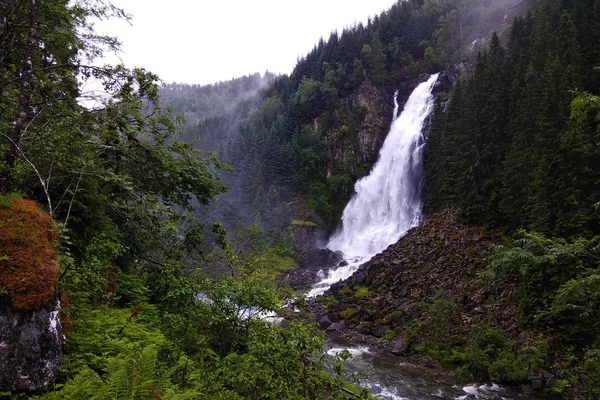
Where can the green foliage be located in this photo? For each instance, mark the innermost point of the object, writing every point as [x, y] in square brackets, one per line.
[232, 308]
[573, 311]
[389, 335]
[303, 223]
[545, 269]
[349, 313]
[441, 316]
[489, 356]
[361, 292]
[6, 201]
[584, 382]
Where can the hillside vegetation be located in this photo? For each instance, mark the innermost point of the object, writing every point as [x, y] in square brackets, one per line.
[158, 284]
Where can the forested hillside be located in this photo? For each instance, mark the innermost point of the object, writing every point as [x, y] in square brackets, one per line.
[154, 293]
[518, 145]
[316, 131]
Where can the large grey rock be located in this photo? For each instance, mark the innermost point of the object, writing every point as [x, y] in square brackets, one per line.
[31, 348]
[311, 263]
[399, 347]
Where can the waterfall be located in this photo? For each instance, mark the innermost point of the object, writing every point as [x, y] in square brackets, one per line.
[387, 202]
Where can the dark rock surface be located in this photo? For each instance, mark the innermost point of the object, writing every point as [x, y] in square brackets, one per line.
[31, 346]
[440, 258]
[311, 262]
[307, 236]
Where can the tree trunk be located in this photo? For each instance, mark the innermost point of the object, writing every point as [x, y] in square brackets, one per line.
[24, 111]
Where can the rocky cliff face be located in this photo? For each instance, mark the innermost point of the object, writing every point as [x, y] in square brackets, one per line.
[31, 337]
[360, 125]
[363, 120]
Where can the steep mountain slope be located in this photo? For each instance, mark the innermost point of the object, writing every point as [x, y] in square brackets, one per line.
[316, 131]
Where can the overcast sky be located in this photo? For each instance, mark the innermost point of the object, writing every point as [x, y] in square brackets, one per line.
[209, 41]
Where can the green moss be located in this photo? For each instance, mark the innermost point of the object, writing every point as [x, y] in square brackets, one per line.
[389, 335]
[276, 265]
[349, 313]
[345, 291]
[298, 222]
[7, 200]
[395, 318]
[361, 292]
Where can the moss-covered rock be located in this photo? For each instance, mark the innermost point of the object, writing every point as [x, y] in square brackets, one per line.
[31, 335]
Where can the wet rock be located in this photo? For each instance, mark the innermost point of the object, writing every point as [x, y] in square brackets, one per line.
[314, 264]
[31, 346]
[31, 337]
[320, 259]
[536, 384]
[399, 347]
[324, 322]
[365, 328]
[359, 278]
[430, 362]
[337, 326]
[380, 330]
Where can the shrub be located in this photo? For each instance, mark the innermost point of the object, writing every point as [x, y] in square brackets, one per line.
[489, 356]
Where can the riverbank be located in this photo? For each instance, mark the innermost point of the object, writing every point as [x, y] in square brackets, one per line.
[428, 297]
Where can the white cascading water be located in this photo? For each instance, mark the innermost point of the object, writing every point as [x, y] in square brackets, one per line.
[387, 202]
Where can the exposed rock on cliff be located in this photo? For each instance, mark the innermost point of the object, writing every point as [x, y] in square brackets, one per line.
[360, 126]
[372, 106]
[311, 264]
[31, 337]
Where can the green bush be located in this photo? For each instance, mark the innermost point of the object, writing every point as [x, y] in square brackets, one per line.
[489, 356]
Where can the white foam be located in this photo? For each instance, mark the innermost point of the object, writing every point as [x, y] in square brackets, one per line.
[354, 351]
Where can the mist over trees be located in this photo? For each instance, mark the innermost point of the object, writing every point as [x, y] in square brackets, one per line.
[514, 148]
[281, 154]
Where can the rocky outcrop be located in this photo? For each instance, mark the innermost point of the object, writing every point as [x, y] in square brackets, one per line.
[312, 262]
[363, 121]
[375, 124]
[306, 236]
[442, 258]
[31, 337]
[360, 127]
[31, 344]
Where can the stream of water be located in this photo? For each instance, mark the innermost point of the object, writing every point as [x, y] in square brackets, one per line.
[392, 377]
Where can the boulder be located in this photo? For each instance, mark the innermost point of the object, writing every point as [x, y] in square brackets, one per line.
[380, 330]
[337, 326]
[313, 265]
[31, 347]
[320, 259]
[324, 322]
[31, 336]
[399, 347]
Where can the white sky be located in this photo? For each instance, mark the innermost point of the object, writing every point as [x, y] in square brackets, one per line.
[205, 41]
